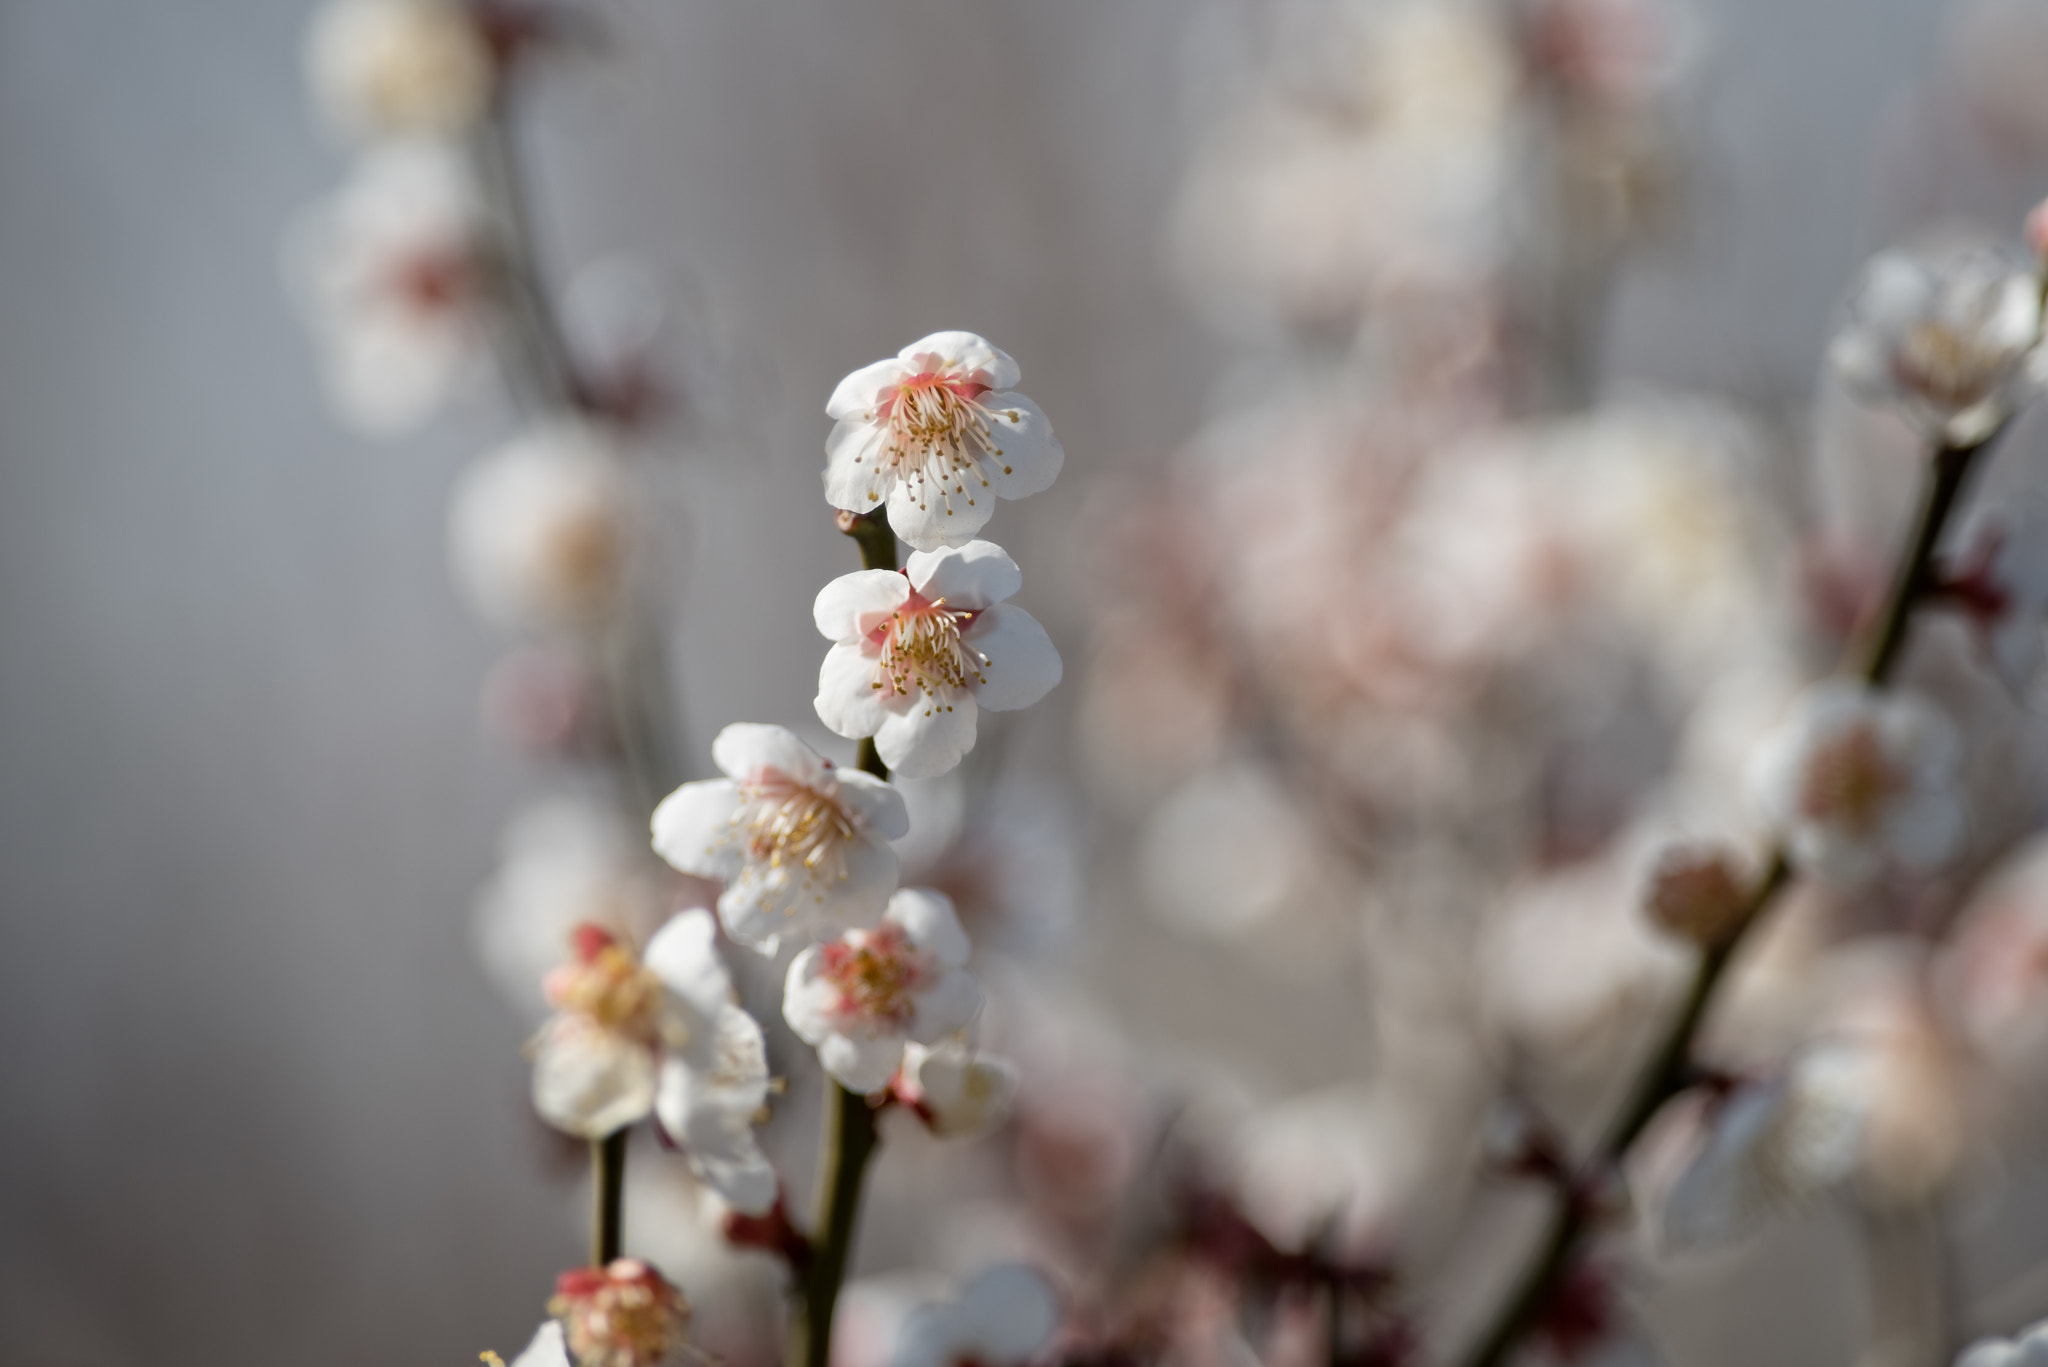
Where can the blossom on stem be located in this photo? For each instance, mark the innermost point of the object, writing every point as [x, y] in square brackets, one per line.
[397, 279]
[956, 1090]
[399, 68]
[624, 1314]
[938, 434]
[1001, 1318]
[1857, 780]
[1953, 343]
[803, 846]
[917, 653]
[859, 999]
[2028, 1349]
[538, 530]
[659, 1034]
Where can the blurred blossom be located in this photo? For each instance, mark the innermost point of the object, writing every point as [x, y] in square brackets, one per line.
[397, 276]
[546, 701]
[538, 530]
[917, 653]
[801, 844]
[400, 68]
[937, 433]
[2028, 1349]
[1230, 852]
[678, 1224]
[999, 1318]
[958, 1092]
[624, 1314]
[1858, 781]
[860, 998]
[1953, 342]
[1699, 894]
[2001, 585]
[565, 862]
[1994, 975]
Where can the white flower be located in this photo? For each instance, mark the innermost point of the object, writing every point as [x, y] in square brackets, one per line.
[803, 846]
[396, 276]
[1000, 1319]
[938, 434]
[861, 997]
[918, 653]
[384, 68]
[958, 1092]
[1953, 343]
[624, 1314]
[1856, 779]
[2030, 1349]
[2002, 586]
[538, 529]
[662, 1035]
[1770, 1146]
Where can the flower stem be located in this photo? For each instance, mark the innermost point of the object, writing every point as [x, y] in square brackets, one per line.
[1669, 1070]
[607, 1197]
[848, 1142]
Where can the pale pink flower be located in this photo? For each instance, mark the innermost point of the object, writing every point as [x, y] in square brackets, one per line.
[802, 845]
[918, 653]
[859, 999]
[1001, 1318]
[1858, 780]
[956, 1090]
[624, 1314]
[399, 68]
[938, 433]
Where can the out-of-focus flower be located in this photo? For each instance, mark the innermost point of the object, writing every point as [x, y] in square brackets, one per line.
[938, 434]
[397, 276]
[803, 845]
[547, 700]
[860, 998]
[956, 1090]
[1857, 780]
[565, 862]
[917, 653]
[1000, 1318]
[398, 68]
[1994, 975]
[538, 530]
[662, 1035]
[1698, 893]
[2001, 584]
[1953, 343]
[624, 1314]
[1769, 1146]
[1231, 851]
[2028, 1349]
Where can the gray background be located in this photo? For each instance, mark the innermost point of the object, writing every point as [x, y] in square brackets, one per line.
[258, 1105]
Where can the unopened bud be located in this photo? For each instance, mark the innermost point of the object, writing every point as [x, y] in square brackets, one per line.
[1699, 894]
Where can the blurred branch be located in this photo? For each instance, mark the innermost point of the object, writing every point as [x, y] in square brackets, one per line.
[607, 1191]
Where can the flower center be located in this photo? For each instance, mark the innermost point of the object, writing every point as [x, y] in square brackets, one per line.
[922, 651]
[1850, 781]
[607, 983]
[876, 972]
[432, 281]
[789, 825]
[1948, 364]
[623, 1315]
[939, 434]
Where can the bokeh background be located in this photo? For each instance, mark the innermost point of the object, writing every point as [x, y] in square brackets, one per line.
[259, 1103]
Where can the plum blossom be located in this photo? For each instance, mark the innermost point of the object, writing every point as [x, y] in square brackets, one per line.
[918, 653]
[2028, 1349]
[1856, 780]
[938, 434]
[396, 276]
[803, 846]
[1001, 1318]
[2001, 584]
[538, 530]
[624, 1314]
[956, 1090]
[1953, 343]
[659, 1034]
[859, 999]
[399, 68]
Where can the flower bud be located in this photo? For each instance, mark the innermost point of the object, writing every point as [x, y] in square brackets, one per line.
[1698, 893]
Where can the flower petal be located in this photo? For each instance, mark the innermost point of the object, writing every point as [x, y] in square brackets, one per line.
[874, 803]
[848, 701]
[853, 605]
[977, 575]
[950, 1004]
[929, 738]
[548, 1348]
[928, 523]
[744, 750]
[862, 1063]
[809, 1001]
[855, 478]
[684, 955]
[931, 923]
[964, 353]
[589, 1081]
[1021, 666]
[1031, 455]
[693, 827]
[855, 398]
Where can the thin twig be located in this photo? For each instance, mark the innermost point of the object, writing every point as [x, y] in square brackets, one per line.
[608, 1192]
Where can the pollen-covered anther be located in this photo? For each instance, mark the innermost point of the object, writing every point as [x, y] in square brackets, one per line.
[621, 1315]
[786, 823]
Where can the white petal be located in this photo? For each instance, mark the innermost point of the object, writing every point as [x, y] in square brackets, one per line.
[848, 702]
[929, 523]
[684, 955]
[962, 353]
[854, 475]
[875, 805]
[928, 738]
[710, 1110]
[858, 395]
[693, 828]
[965, 1095]
[1863, 362]
[548, 1349]
[1022, 663]
[860, 900]
[810, 1002]
[1013, 1311]
[855, 604]
[1031, 455]
[930, 922]
[1896, 290]
[862, 1063]
[977, 575]
[589, 1081]
[744, 750]
[1722, 1194]
[949, 1005]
